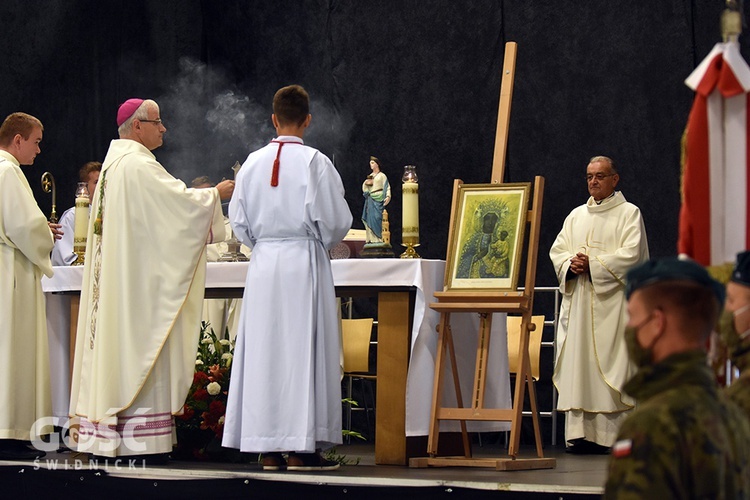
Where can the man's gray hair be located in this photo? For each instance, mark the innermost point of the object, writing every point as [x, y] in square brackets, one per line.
[604, 159]
[141, 113]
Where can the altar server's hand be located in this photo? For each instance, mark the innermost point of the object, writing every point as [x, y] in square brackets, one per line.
[55, 228]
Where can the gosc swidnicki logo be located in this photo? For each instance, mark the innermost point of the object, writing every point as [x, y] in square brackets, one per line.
[84, 436]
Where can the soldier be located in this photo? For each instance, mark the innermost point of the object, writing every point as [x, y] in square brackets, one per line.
[735, 330]
[684, 440]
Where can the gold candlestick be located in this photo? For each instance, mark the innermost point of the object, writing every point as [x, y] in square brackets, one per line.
[410, 213]
[48, 184]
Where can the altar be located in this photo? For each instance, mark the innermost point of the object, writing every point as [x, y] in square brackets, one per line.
[407, 342]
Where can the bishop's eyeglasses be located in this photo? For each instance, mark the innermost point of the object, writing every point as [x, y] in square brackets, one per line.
[598, 177]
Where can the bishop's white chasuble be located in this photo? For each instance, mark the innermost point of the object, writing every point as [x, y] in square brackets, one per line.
[141, 298]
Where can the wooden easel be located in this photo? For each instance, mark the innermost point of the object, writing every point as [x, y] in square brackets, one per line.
[485, 304]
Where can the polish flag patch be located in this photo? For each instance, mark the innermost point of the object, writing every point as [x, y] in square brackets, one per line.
[622, 448]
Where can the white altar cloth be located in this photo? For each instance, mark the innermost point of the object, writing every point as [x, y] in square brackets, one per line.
[425, 275]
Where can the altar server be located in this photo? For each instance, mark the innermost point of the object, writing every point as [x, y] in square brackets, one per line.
[62, 254]
[25, 244]
[599, 242]
[289, 207]
[142, 292]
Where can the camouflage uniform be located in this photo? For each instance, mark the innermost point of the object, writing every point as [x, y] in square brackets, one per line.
[739, 391]
[683, 440]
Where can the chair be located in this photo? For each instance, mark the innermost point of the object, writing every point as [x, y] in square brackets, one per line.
[356, 335]
[535, 344]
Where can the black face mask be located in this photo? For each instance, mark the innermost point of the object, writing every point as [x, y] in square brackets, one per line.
[641, 356]
[728, 331]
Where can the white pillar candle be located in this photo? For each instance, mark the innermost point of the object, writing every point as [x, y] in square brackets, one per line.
[81, 221]
[410, 213]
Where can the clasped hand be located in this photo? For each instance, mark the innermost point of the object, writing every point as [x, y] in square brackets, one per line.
[579, 264]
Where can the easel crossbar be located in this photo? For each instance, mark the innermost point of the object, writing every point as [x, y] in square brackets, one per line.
[488, 414]
[478, 307]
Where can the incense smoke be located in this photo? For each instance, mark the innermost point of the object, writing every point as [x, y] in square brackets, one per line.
[211, 124]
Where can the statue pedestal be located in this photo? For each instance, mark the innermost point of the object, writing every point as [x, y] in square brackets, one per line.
[376, 251]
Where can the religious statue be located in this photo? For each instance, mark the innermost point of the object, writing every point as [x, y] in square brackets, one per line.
[377, 193]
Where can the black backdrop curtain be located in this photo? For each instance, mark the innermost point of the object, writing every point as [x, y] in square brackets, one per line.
[409, 81]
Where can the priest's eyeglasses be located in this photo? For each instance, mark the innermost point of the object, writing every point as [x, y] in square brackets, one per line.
[157, 121]
[598, 177]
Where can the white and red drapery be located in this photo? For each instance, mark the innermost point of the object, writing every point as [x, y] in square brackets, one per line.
[714, 222]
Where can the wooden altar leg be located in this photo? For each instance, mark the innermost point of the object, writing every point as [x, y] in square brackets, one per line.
[393, 363]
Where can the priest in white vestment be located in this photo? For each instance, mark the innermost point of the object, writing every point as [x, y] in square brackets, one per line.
[143, 286]
[25, 245]
[599, 242]
[289, 207]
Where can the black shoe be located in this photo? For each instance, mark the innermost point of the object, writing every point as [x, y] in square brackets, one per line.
[309, 462]
[13, 449]
[583, 447]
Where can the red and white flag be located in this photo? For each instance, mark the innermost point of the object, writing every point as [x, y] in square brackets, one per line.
[714, 221]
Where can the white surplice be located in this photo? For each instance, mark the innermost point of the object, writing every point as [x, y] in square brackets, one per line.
[592, 361]
[25, 244]
[285, 393]
[141, 297]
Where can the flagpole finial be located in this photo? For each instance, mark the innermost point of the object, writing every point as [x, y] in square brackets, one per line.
[731, 21]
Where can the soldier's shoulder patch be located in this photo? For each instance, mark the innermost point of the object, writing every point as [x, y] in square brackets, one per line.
[622, 448]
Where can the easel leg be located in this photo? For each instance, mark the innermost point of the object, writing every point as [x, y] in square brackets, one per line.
[459, 397]
[535, 416]
[437, 385]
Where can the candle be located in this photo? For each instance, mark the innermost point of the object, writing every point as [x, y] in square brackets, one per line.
[81, 221]
[410, 212]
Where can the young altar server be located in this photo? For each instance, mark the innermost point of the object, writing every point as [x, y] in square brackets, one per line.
[289, 207]
[25, 244]
[142, 293]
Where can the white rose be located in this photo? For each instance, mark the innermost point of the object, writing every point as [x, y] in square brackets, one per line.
[206, 340]
[213, 388]
[198, 362]
[224, 342]
[227, 356]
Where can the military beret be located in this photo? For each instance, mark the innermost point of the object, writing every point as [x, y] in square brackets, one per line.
[670, 269]
[741, 273]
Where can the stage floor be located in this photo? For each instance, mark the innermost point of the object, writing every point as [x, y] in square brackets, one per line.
[575, 476]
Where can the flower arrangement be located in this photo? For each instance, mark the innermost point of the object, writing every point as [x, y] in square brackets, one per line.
[201, 426]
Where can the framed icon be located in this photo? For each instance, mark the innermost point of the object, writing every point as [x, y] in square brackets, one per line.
[489, 222]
